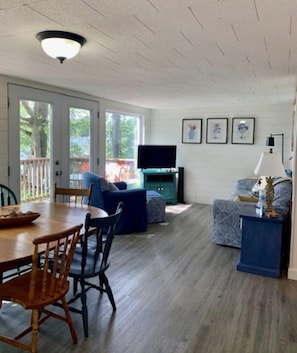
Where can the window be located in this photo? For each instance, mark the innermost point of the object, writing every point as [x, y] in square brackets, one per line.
[124, 132]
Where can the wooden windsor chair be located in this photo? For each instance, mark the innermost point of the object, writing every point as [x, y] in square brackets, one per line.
[46, 284]
[73, 194]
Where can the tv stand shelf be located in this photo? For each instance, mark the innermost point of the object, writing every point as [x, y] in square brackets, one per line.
[161, 181]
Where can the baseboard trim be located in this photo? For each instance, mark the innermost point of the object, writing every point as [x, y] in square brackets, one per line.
[292, 273]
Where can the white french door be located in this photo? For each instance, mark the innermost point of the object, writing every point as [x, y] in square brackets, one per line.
[79, 150]
[52, 138]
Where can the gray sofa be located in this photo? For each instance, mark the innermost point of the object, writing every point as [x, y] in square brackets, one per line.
[226, 213]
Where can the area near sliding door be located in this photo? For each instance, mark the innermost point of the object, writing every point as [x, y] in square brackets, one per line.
[52, 138]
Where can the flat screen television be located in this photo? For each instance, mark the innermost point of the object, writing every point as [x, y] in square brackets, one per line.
[156, 156]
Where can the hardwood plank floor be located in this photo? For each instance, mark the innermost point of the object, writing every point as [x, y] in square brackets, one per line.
[177, 292]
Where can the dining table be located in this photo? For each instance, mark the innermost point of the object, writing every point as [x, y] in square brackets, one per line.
[16, 248]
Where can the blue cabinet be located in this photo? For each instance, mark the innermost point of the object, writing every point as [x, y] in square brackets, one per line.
[261, 244]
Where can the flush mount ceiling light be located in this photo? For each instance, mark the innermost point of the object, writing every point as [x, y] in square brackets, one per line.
[60, 45]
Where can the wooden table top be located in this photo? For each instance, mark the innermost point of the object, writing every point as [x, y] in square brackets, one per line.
[16, 241]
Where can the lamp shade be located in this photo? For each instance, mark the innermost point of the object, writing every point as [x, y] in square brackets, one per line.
[270, 164]
[60, 45]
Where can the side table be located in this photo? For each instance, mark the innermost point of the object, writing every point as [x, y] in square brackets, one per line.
[261, 244]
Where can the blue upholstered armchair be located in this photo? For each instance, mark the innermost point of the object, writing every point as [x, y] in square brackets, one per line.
[107, 197]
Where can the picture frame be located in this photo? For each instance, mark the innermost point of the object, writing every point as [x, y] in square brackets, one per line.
[217, 130]
[192, 131]
[243, 131]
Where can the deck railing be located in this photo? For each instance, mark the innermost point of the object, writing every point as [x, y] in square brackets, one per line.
[35, 179]
[35, 174]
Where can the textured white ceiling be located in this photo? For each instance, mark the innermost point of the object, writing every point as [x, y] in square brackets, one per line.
[160, 53]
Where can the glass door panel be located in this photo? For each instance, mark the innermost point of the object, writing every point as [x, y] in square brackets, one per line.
[79, 136]
[35, 149]
[79, 145]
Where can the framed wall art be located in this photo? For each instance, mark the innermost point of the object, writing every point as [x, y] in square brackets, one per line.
[192, 131]
[217, 130]
[243, 131]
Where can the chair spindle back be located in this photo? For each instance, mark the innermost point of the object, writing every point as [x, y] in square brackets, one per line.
[73, 195]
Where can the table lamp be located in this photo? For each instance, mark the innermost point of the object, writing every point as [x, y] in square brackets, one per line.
[270, 165]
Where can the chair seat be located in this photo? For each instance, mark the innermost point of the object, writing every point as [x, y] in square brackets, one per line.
[89, 270]
[22, 294]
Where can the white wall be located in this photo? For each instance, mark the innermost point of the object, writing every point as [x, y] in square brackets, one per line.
[211, 170]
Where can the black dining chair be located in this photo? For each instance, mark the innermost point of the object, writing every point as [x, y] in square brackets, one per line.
[7, 196]
[91, 260]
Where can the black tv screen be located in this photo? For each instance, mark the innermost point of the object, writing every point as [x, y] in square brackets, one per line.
[156, 156]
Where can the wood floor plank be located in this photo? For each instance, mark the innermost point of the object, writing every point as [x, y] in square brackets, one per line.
[177, 292]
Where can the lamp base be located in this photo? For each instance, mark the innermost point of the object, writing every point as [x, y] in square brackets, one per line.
[269, 191]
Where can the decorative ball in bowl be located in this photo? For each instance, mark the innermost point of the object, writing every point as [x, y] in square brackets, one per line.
[18, 218]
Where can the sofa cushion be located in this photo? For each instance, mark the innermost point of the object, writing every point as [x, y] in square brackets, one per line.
[246, 198]
[107, 186]
[282, 195]
[243, 186]
[113, 187]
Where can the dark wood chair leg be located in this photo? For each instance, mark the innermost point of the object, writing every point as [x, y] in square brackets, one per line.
[109, 291]
[84, 309]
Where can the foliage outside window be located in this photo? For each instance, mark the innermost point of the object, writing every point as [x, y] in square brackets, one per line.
[79, 140]
[34, 129]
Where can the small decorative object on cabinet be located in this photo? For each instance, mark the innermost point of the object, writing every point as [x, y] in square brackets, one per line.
[261, 244]
[162, 181]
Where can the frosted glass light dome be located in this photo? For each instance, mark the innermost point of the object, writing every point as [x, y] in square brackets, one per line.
[60, 45]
